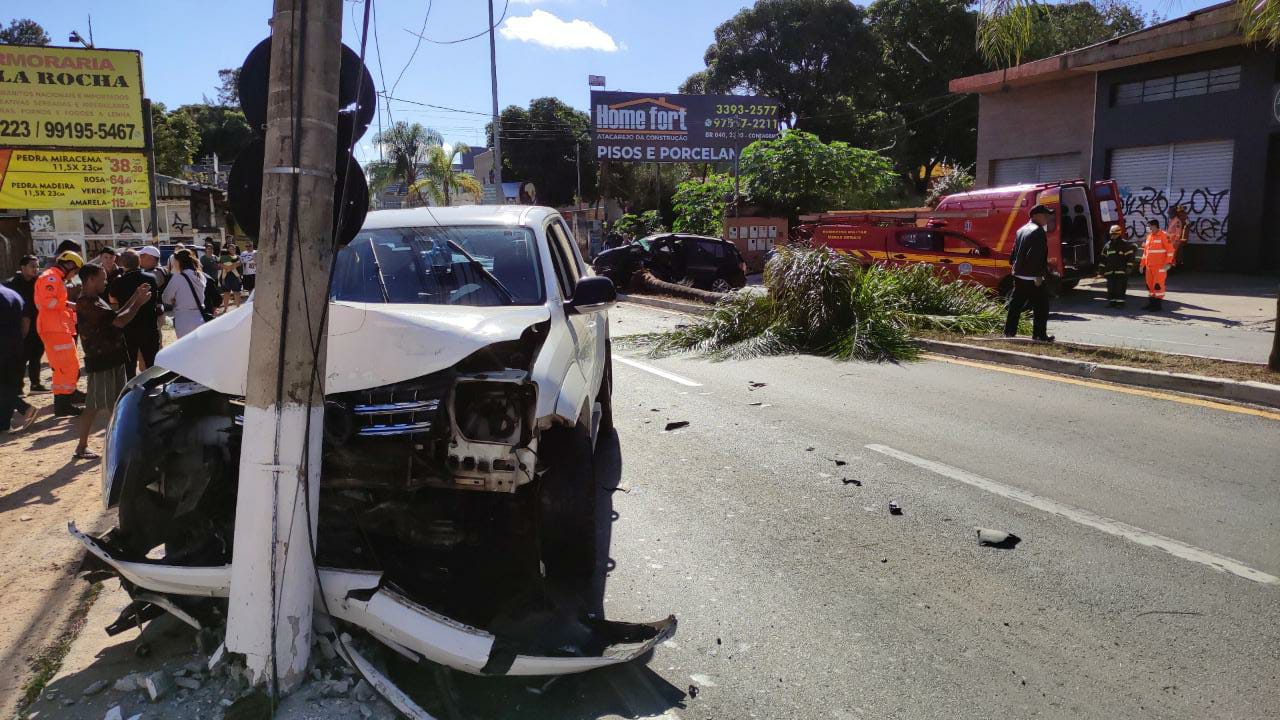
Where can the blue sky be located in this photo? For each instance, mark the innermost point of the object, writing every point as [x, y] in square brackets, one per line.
[545, 47]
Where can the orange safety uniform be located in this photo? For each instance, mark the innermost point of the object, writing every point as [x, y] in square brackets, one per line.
[1157, 256]
[56, 326]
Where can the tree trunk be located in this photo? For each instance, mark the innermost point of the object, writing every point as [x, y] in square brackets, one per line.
[644, 280]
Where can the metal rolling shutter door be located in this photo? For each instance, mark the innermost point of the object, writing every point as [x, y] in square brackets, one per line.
[1201, 181]
[1014, 171]
[1056, 168]
[1153, 179]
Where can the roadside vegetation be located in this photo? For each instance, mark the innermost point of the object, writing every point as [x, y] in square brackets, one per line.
[821, 302]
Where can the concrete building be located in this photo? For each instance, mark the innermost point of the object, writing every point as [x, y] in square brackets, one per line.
[1181, 113]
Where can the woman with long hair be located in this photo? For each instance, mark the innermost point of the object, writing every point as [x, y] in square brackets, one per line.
[185, 292]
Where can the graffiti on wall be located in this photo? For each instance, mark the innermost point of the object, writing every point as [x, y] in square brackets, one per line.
[1206, 210]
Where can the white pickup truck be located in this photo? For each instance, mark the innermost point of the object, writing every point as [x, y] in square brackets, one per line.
[468, 376]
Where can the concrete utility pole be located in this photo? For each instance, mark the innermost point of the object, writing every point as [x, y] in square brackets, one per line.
[497, 120]
[272, 570]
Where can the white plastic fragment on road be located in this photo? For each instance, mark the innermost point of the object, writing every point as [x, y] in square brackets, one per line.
[1177, 548]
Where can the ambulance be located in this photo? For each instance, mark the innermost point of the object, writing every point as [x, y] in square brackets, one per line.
[970, 235]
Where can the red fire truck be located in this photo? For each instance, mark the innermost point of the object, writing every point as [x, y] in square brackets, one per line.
[970, 235]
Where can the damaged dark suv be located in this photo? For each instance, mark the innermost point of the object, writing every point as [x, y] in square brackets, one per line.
[468, 377]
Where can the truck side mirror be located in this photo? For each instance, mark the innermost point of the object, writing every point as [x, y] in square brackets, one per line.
[592, 294]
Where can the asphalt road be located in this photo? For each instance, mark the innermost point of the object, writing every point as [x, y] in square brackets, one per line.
[800, 595]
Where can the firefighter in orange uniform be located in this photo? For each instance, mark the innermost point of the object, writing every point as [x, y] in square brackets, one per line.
[56, 325]
[1157, 256]
[1178, 232]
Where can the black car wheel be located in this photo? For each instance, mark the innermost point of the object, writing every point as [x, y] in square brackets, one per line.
[605, 396]
[721, 285]
[568, 504]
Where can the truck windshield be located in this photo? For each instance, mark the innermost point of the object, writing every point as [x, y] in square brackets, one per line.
[479, 266]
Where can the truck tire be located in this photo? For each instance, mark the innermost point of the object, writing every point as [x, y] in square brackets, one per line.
[568, 499]
[605, 396]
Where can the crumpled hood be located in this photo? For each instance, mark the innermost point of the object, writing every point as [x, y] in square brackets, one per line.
[370, 344]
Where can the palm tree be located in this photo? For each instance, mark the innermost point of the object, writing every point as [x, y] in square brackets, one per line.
[441, 182]
[408, 148]
[1005, 27]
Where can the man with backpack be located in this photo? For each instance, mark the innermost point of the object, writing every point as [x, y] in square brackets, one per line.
[188, 292]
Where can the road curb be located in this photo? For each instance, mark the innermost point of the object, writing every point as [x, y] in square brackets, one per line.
[665, 304]
[1255, 393]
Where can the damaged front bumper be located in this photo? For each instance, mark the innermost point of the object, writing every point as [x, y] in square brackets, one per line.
[362, 599]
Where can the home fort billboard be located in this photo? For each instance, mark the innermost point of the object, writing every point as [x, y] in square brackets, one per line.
[662, 127]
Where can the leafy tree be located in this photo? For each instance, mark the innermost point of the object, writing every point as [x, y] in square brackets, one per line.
[700, 205]
[633, 226]
[1016, 31]
[798, 173]
[816, 58]
[222, 129]
[24, 31]
[441, 182]
[176, 139]
[923, 45]
[229, 87]
[953, 179]
[695, 84]
[407, 148]
[539, 145]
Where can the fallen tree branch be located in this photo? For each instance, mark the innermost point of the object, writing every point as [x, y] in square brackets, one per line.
[644, 281]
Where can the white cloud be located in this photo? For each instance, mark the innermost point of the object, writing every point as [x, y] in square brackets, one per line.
[545, 29]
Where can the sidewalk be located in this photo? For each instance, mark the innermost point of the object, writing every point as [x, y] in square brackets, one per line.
[1231, 317]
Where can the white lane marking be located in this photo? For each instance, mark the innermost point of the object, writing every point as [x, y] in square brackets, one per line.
[657, 371]
[1084, 517]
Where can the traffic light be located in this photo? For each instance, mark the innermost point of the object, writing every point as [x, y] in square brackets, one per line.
[351, 190]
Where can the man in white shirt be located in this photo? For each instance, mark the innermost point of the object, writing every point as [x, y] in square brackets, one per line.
[248, 266]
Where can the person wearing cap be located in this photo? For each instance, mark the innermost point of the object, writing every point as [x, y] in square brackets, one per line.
[1030, 261]
[1157, 258]
[1117, 256]
[56, 324]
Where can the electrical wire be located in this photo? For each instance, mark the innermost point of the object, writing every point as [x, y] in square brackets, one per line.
[416, 45]
[482, 33]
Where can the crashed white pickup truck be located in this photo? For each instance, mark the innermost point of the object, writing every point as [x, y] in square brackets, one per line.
[468, 376]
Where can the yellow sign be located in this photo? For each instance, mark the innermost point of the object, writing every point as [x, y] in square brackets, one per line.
[70, 97]
[67, 180]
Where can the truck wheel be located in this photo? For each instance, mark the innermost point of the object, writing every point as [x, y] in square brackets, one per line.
[605, 396]
[568, 523]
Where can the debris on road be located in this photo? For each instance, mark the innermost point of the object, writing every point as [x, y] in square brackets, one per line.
[693, 692]
[676, 425]
[158, 684]
[997, 538]
[755, 404]
[752, 384]
[894, 508]
[851, 481]
[840, 463]
[95, 687]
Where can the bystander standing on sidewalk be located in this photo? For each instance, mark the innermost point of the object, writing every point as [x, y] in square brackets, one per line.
[249, 265]
[1030, 271]
[185, 293]
[105, 355]
[14, 323]
[23, 282]
[142, 337]
[230, 278]
[107, 261]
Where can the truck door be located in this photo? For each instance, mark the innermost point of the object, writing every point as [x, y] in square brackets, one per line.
[1104, 202]
[916, 245]
[964, 258]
